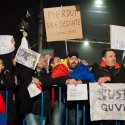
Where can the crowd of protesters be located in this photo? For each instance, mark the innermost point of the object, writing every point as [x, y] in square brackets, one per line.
[16, 103]
[70, 70]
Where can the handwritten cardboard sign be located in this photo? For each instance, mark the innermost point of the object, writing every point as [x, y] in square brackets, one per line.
[117, 37]
[107, 102]
[63, 23]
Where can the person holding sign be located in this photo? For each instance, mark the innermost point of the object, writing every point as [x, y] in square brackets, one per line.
[42, 82]
[109, 71]
[70, 71]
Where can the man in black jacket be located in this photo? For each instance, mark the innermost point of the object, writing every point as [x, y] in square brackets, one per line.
[6, 84]
[109, 71]
[43, 82]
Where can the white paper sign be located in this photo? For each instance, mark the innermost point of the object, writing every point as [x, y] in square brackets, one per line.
[107, 102]
[117, 37]
[78, 92]
[27, 57]
[33, 90]
[6, 44]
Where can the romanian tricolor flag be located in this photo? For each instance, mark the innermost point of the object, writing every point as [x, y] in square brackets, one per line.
[61, 70]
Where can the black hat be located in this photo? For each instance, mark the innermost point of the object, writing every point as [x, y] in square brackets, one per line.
[73, 53]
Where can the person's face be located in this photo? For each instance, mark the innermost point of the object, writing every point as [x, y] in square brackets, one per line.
[30, 58]
[41, 64]
[57, 61]
[110, 58]
[72, 62]
[1, 65]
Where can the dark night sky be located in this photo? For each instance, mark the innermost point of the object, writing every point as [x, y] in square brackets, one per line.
[11, 12]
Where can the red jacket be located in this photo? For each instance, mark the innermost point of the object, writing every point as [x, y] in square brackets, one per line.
[2, 105]
[60, 70]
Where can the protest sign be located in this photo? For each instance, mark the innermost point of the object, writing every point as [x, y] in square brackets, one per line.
[77, 92]
[6, 44]
[33, 90]
[117, 37]
[27, 57]
[63, 23]
[107, 102]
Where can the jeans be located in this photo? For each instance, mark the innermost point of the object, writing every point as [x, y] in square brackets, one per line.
[55, 114]
[71, 115]
[32, 119]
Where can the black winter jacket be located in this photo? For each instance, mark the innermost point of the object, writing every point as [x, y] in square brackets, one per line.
[117, 73]
[7, 84]
[46, 81]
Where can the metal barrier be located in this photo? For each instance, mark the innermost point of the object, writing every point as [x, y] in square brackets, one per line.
[42, 106]
[84, 115]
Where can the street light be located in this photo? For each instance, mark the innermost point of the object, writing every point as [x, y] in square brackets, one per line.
[98, 3]
[86, 43]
